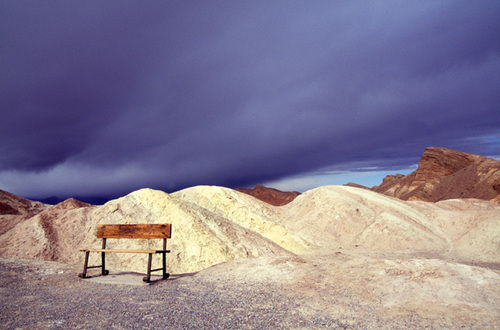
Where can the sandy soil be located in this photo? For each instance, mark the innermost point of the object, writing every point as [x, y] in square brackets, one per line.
[348, 289]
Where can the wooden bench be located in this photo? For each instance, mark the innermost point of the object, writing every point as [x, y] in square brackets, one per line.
[143, 231]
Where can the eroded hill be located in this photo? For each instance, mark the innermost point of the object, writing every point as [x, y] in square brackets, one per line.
[446, 174]
[212, 225]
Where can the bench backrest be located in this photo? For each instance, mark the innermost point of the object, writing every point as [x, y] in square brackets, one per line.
[134, 231]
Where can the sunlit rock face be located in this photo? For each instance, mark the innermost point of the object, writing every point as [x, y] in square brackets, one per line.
[446, 174]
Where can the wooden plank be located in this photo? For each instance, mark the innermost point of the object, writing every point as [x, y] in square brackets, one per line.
[124, 251]
[134, 231]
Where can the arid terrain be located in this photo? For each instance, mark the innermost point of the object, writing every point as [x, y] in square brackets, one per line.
[445, 174]
[334, 256]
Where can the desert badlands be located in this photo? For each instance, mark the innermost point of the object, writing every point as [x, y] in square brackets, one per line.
[333, 257]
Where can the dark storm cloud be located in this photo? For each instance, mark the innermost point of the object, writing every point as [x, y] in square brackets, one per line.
[171, 94]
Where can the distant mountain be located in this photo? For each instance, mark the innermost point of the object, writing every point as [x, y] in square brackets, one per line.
[446, 174]
[53, 200]
[70, 204]
[270, 195]
[356, 185]
[94, 200]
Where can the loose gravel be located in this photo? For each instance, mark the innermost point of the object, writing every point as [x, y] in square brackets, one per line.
[50, 295]
[35, 298]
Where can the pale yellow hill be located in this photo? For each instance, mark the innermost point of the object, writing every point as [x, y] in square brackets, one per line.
[212, 225]
[337, 216]
[245, 211]
[327, 219]
[200, 238]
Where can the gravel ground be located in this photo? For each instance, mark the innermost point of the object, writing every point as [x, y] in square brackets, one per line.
[33, 297]
[50, 295]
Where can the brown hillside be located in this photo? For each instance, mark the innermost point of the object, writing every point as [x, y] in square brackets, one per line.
[270, 195]
[446, 174]
[15, 209]
[70, 204]
[13, 204]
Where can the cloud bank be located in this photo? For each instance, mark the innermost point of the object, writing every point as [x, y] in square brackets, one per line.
[107, 97]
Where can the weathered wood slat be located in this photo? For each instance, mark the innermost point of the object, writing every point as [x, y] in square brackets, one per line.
[124, 251]
[134, 231]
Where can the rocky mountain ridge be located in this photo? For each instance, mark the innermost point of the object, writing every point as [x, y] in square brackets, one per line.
[446, 174]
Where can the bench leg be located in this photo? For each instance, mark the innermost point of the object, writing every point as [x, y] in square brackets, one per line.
[103, 266]
[164, 262]
[147, 279]
[85, 265]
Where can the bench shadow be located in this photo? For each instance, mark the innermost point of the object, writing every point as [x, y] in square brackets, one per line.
[155, 279]
[181, 275]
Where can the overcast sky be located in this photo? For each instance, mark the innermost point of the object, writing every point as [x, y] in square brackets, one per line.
[106, 97]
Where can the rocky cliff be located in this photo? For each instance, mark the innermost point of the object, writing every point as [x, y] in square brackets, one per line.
[446, 174]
